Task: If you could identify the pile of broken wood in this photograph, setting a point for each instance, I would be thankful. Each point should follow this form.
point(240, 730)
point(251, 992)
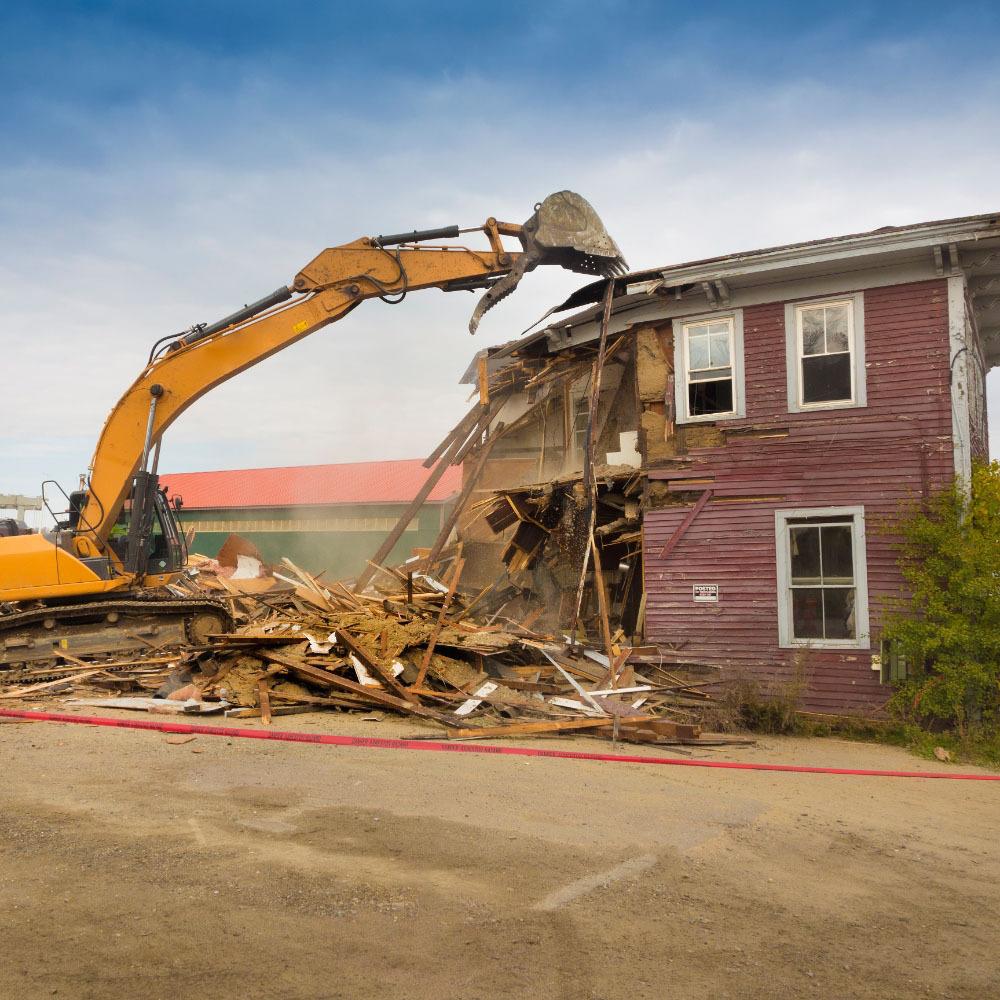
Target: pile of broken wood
point(409, 645)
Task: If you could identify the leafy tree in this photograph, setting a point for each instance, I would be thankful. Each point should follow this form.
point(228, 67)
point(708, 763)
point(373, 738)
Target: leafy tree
point(950, 629)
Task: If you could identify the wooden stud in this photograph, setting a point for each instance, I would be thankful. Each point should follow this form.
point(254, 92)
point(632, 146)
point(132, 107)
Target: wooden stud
point(265, 702)
point(483, 371)
point(602, 605)
point(432, 642)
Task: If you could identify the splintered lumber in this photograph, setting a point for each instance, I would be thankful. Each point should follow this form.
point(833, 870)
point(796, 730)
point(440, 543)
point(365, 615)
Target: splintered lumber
point(589, 483)
point(429, 652)
point(324, 677)
point(385, 673)
point(416, 503)
point(465, 424)
point(265, 702)
point(456, 511)
point(602, 604)
point(537, 728)
point(585, 695)
point(413, 648)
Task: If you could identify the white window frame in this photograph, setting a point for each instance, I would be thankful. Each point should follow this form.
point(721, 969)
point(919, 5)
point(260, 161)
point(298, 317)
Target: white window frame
point(681, 324)
point(856, 342)
point(862, 625)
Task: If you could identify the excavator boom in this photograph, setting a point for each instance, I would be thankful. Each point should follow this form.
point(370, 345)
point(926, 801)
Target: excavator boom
point(120, 535)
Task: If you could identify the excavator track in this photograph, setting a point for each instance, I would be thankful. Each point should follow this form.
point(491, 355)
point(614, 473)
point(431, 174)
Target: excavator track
point(35, 638)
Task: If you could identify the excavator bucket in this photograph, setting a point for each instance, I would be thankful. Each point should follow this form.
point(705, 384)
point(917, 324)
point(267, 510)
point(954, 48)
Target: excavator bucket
point(566, 231)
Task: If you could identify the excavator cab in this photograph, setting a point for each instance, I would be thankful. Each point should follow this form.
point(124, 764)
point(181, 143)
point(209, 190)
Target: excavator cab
point(146, 536)
point(166, 550)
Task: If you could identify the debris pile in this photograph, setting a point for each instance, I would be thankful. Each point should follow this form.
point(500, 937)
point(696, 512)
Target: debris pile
point(409, 645)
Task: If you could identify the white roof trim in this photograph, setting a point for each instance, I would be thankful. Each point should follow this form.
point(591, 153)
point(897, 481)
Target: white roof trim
point(756, 262)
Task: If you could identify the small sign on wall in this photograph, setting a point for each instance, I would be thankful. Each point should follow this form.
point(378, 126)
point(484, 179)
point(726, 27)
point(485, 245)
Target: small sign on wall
point(705, 593)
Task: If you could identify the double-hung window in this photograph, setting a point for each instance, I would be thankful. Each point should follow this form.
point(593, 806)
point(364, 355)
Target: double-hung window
point(825, 342)
point(708, 366)
point(822, 578)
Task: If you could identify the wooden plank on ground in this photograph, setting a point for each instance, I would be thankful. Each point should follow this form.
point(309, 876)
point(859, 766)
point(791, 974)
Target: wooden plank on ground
point(535, 728)
point(663, 728)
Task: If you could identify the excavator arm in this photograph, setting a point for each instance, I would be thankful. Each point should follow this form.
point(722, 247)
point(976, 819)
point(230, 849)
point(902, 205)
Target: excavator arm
point(327, 289)
point(564, 230)
point(89, 556)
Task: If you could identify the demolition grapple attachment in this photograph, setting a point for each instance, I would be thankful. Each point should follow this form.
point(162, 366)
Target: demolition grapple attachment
point(564, 230)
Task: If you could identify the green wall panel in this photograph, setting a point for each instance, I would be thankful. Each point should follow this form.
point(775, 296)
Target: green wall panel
point(340, 554)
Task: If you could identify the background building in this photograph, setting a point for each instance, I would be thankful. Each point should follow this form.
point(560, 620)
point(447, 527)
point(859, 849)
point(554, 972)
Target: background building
point(26, 511)
point(323, 517)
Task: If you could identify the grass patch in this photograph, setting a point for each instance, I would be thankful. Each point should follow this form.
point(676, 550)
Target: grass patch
point(981, 747)
point(777, 717)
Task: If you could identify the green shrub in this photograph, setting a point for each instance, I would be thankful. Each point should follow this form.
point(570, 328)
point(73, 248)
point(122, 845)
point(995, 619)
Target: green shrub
point(949, 631)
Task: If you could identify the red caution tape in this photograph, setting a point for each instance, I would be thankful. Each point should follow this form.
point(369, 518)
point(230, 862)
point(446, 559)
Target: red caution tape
point(377, 743)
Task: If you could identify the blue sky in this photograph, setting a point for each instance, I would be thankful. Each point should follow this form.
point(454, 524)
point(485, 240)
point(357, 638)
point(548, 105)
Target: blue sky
point(161, 164)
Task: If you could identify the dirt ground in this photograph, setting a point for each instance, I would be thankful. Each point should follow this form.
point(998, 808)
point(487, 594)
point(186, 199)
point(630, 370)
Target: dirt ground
point(130, 867)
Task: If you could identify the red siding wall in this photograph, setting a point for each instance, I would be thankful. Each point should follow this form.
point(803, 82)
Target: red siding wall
point(896, 448)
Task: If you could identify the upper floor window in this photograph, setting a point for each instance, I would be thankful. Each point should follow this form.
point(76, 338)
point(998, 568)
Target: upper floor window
point(825, 342)
point(708, 366)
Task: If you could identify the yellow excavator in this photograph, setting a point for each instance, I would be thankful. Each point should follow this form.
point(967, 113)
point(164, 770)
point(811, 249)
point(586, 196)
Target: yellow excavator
point(95, 584)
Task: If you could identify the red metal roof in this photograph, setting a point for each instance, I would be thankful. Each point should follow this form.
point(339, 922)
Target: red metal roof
point(311, 485)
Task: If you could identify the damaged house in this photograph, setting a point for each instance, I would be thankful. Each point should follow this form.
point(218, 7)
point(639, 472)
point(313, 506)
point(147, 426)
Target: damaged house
point(751, 425)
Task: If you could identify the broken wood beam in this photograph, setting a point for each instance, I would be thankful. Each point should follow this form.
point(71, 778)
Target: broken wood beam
point(661, 728)
point(589, 483)
point(483, 373)
point(432, 642)
point(602, 607)
point(324, 677)
point(456, 511)
point(674, 540)
point(385, 673)
point(465, 424)
point(411, 511)
point(265, 701)
point(535, 728)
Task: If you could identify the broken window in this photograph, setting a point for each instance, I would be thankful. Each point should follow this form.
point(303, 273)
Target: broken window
point(708, 358)
point(825, 337)
point(822, 578)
